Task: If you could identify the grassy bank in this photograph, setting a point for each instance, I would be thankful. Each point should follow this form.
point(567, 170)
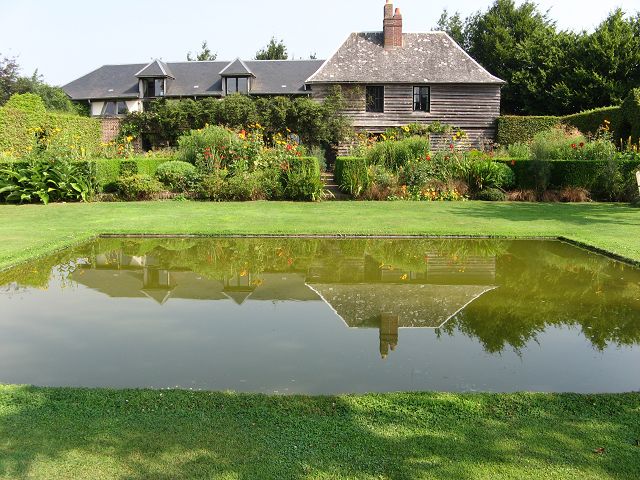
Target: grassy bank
point(67, 433)
point(35, 229)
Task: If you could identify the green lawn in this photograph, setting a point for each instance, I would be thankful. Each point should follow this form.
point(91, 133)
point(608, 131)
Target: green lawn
point(67, 433)
point(36, 229)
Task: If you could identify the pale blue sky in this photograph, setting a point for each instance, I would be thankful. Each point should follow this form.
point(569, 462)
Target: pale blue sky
point(65, 39)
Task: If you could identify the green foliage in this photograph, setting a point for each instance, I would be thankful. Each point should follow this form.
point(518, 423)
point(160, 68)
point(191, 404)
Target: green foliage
point(490, 194)
point(275, 50)
point(395, 154)
point(301, 179)
point(610, 180)
point(550, 72)
point(590, 121)
point(519, 150)
point(45, 181)
point(317, 123)
point(213, 186)
point(177, 176)
point(107, 171)
point(486, 174)
point(209, 147)
point(555, 144)
point(352, 175)
point(513, 129)
point(205, 54)
point(138, 187)
point(26, 127)
point(630, 125)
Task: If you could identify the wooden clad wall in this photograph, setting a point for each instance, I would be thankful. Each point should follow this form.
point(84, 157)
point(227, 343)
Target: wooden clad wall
point(474, 108)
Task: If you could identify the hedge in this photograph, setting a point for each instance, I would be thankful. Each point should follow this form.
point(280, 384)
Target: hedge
point(631, 116)
point(605, 180)
point(311, 164)
point(22, 114)
point(589, 121)
point(351, 174)
point(513, 128)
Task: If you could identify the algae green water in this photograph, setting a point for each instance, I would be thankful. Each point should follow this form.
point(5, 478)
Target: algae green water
point(284, 315)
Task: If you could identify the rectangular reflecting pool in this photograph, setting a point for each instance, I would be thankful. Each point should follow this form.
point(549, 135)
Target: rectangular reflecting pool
point(287, 315)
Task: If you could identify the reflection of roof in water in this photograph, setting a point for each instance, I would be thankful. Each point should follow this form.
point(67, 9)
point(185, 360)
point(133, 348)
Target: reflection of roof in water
point(428, 306)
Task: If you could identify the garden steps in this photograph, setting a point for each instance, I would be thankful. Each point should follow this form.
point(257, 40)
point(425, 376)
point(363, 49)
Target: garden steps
point(330, 184)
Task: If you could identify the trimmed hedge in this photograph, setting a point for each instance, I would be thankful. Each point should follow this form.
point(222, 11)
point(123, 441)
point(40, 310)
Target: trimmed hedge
point(22, 114)
point(513, 128)
point(631, 117)
point(589, 121)
point(351, 174)
point(606, 180)
point(109, 170)
point(310, 164)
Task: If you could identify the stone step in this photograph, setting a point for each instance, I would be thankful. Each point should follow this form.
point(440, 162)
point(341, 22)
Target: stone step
point(332, 186)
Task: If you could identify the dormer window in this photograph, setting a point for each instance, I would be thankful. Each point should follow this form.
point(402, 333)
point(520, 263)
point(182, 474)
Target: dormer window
point(153, 87)
point(237, 85)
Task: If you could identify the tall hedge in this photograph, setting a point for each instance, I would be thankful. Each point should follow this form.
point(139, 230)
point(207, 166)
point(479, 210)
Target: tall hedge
point(606, 180)
point(631, 117)
point(25, 113)
point(589, 121)
point(513, 128)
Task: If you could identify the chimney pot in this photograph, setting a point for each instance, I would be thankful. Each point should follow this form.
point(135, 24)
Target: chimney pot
point(392, 27)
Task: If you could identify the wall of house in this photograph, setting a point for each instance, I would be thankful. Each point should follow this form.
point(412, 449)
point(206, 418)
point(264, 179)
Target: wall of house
point(474, 108)
point(132, 105)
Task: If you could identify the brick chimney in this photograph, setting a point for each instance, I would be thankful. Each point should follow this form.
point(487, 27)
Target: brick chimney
point(392, 26)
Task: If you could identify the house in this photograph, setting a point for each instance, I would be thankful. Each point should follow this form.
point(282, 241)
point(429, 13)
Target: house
point(389, 78)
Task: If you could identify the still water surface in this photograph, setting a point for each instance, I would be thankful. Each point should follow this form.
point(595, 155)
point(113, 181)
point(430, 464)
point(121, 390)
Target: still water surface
point(323, 316)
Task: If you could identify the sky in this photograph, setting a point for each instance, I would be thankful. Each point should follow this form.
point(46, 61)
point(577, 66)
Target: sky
point(66, 39)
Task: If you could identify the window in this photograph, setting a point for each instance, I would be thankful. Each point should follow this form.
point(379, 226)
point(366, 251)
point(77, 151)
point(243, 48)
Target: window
point(375, 99)
point(153, 87)
point(110, 109)
point(237, 85)
point(421, 99)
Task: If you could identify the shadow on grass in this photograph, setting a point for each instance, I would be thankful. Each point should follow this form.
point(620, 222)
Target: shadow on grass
point(181, 434)
point(577, 214)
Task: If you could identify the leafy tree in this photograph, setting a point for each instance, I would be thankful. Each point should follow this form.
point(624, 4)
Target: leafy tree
point(9, 70)
point(453, 25)
point(205, 54)
point(275, 50)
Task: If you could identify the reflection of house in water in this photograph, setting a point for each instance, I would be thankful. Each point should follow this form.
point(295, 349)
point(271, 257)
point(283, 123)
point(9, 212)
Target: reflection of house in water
point(363, 292)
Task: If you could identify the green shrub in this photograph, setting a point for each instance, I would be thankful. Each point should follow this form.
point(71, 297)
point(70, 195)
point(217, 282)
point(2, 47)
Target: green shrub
point(513, 128)
point(555, 144)
point(213, 186)
point(107, 171)
point(242, 187)
point(177, 176)
point(138, 187)
point(394, 154)
point(612, 179)
point(46, 181)
point(486, 174)
point(303, 185)
point(128, 168)
point(352, 175)
point(383, 185)
point(491, 195)
point(630, 125)
point(209, 148)
point(417, 174)
point(519, 150)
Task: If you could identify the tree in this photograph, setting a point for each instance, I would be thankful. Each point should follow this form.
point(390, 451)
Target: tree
point(275, 50)
point(453, 25)
point(9, 70)
point(205, 54)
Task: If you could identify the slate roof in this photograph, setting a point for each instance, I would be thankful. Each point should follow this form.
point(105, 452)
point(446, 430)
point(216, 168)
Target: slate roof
point(156, 68)
point(272, 77)
point(432, 57)
point(237, 67)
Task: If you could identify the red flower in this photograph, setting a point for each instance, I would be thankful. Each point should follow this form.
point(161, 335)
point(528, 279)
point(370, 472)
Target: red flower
point(513, 162)
point(289, 147)
point(574, 146)
point(428, 157)
point(451, 146)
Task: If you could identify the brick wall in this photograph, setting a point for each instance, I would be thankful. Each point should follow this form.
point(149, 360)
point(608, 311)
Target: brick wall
point(110, 130)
